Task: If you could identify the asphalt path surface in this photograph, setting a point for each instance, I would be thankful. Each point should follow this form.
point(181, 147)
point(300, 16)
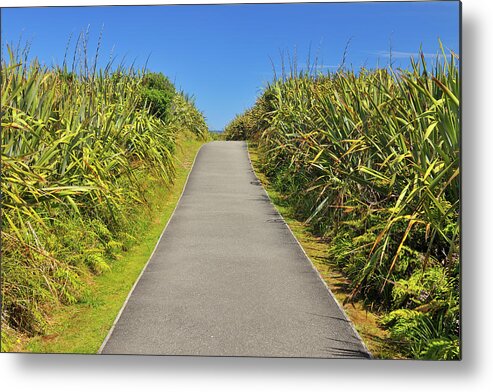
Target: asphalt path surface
point(228, 278)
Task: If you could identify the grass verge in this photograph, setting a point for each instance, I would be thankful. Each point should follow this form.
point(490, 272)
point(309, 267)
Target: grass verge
point(82, 327)
point(366, 322)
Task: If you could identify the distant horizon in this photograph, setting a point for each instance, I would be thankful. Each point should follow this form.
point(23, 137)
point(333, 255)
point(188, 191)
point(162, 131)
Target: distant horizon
point(222, 55)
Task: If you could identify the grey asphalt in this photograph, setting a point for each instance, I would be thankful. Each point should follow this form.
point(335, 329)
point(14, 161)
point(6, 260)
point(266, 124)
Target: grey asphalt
point(229, 279)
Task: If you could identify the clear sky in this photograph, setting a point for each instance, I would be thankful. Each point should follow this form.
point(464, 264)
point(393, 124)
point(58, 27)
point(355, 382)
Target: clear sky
point(221, 53)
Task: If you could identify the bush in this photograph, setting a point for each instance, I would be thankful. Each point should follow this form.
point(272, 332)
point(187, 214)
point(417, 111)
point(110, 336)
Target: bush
point(157, 94)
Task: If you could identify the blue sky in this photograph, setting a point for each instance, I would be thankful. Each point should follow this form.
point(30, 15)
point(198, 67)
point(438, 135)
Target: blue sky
point(221, 53)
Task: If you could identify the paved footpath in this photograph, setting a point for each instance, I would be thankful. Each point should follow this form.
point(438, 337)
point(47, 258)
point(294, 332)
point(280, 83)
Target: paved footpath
point(228, 277)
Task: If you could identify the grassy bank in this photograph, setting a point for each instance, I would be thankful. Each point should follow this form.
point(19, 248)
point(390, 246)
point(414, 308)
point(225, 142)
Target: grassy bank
point(82, 327)
point(369, 160)
point(84, 152)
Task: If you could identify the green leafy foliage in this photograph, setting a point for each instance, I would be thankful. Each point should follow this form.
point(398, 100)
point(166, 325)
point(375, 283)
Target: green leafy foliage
point(249, 124)
point(157, 93)
point(422, 336)
point(79, 154)
point(371, 161)
point(184, 116)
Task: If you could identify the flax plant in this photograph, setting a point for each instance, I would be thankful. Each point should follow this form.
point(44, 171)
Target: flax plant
point(79, 147)
point(371, 161)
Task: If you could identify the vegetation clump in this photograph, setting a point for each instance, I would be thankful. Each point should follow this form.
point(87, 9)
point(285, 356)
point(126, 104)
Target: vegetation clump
point(80, 152)
point(370, 161)
point(157, 92)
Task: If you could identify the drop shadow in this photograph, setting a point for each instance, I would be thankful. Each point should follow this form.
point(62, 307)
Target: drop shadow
point(471, 207)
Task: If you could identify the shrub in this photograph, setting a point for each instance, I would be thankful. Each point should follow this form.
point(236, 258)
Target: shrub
point(157, 92)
